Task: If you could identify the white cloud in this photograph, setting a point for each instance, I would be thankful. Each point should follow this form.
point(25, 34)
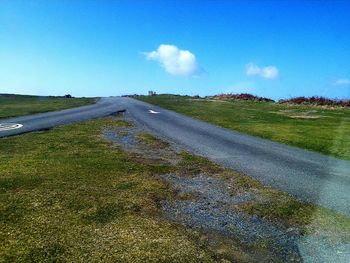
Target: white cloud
point(341, 82)
point(174, 60)
point(269, 72)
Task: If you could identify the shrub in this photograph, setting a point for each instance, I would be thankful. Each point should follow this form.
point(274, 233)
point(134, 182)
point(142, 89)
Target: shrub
point(242, 96)
point(316, 101)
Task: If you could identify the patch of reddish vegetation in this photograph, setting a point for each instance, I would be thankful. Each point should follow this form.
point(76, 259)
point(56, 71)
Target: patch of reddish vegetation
point(316, 101)
point(242, 96)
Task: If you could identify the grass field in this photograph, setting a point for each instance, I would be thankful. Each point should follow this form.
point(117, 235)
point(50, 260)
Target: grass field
point(19, 105)
point(320, 129)
point(69, 195)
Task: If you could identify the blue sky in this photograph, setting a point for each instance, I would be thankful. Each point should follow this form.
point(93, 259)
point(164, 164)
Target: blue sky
point(276, 48)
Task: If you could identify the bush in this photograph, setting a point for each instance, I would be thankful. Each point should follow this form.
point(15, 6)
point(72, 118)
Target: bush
point(316, 101)
point(242, 96)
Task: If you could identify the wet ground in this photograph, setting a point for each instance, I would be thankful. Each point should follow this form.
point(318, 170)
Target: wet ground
point(210, 207)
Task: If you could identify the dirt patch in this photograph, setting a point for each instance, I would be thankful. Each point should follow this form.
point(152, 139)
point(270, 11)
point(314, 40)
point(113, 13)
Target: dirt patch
point(297, 114)
point(213, 100)
point(304, 117)
point(132, 140)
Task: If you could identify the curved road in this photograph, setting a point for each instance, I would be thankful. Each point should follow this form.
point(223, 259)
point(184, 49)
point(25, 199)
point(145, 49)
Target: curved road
point(307, 175)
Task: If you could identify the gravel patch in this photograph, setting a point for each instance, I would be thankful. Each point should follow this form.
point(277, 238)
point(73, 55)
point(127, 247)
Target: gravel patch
point(213, 210)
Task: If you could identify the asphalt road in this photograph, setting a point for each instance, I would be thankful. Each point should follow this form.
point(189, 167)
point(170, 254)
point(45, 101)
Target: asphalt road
point(43, 121)
point(307, 175)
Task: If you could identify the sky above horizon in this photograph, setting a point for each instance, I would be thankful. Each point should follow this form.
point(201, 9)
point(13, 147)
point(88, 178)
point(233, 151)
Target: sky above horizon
point(276, 49)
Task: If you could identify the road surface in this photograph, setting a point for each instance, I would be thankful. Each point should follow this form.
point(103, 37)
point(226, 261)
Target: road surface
point(43, 121)
point(310, 176)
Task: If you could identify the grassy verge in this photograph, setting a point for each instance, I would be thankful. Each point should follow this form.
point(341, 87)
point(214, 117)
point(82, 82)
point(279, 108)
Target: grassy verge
point(68, 195)
point(321, 129)
point(19, 105)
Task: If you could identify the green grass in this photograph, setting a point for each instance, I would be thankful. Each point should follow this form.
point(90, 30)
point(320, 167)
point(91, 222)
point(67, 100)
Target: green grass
point(67, 195)
point(151, 141)
point(320, 129)
point(284, 209)
point(192, 165)
point(19, 105)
